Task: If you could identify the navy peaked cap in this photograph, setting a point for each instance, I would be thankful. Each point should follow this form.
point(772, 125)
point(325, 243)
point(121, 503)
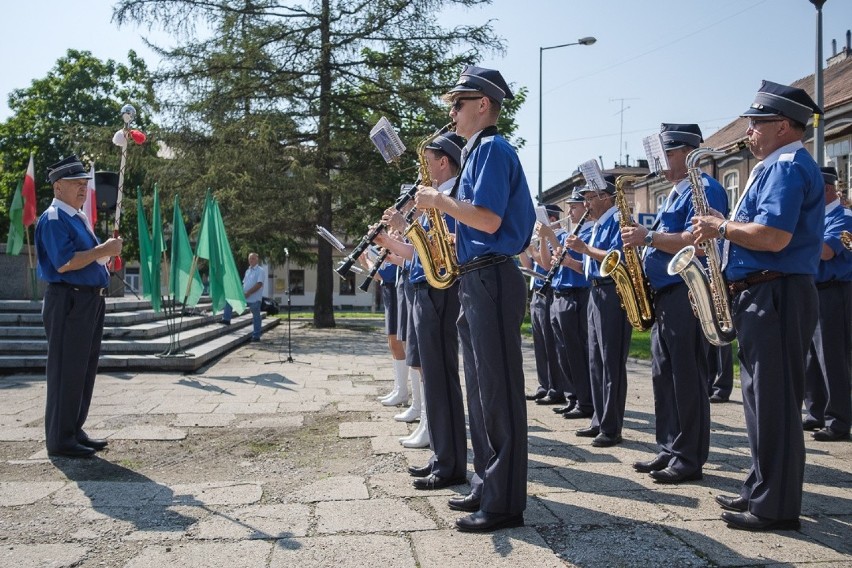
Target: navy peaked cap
point(450, 144)
point(553, 209)
point(829, 175)
point(773, 99)
point(69, 168)
point(610, 186)
point(576, 197)
point(678, 135)
point(489, 82)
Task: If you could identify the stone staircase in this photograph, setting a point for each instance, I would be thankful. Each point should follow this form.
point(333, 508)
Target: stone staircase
point(134, 336)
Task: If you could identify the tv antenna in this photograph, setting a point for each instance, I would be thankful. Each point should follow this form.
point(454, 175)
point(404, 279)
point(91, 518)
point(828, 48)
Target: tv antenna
point(621, 128)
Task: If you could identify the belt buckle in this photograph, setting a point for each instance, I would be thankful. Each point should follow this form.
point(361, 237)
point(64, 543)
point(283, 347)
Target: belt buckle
point(102, 292)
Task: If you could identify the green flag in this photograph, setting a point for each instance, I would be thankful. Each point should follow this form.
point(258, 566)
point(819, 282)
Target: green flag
point(144, 247)
point(15, 240)
point(208, 248)
point(181, 264)
point(157, 249)
point(232, 283)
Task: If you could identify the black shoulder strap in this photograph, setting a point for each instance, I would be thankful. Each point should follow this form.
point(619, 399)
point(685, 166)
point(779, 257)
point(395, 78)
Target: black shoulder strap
point(487, 131)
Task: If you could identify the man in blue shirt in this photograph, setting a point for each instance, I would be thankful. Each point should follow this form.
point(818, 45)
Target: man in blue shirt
point(73, 262)
point(494, 213)
point(829, 367)
point(253, 289)
point(679, 364)
point(774, 235)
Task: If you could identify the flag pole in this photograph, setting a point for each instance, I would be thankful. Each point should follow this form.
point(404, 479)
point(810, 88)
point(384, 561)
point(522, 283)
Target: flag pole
point(33, 285)
point(194, 266)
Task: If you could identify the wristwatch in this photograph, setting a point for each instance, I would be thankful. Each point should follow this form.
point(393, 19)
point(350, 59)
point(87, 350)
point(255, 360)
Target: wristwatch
point(649, 238)
point(723, 229)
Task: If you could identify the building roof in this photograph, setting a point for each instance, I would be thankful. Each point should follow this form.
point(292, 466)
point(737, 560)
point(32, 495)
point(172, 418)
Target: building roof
point(565, 187)
point(837, 92)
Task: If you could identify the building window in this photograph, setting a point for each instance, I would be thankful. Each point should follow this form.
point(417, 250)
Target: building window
point(347, 285)
point(296, 278)
point(731, 181)
point(131, 281)
point(661, 200)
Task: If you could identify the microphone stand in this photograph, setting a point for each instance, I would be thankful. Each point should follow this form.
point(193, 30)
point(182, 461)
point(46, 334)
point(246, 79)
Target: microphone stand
point(289, 358)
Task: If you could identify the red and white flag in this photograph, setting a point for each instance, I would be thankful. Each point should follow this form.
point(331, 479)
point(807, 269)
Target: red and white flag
point(90, 207)
point(29, 194)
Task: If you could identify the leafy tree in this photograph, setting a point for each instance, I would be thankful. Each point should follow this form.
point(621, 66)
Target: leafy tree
point(273, 104)
point(74, 109)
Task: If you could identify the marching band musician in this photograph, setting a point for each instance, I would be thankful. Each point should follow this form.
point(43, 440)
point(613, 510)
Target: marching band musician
point(609, 329)
point(494, 214)
point(434, 321)
point(544, 342)
point(569, 318)
point(679, 367)
point(775, 237)
point(829, 367)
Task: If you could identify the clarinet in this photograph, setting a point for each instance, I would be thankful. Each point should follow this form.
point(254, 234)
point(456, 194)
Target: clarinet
point(554, 268)
point(367, 240)
point(365, 285)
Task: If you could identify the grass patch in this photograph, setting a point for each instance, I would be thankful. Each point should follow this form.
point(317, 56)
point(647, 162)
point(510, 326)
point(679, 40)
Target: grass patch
point(259, 447)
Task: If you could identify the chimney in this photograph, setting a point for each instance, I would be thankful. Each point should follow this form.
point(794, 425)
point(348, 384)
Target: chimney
point(844, 54)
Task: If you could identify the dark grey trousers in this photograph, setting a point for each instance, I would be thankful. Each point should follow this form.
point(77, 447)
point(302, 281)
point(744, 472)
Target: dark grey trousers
point(609, 343)
point(569, 317)
point(544, 344)
point(493, 301)
point(679, 378)
point(775, 323)
point(73, 323)
point(435, 315)
point(720, 378)
point(829, 367)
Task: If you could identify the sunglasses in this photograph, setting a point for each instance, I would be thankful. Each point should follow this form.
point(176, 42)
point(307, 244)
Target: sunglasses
point(754, 123)
point(457, 104)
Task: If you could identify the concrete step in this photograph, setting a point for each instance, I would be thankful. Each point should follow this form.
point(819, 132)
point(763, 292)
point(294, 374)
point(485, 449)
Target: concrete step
point(144, 330)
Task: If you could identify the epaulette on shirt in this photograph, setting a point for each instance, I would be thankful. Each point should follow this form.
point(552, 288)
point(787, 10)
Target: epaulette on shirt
point(787, 157)
point(52, 213)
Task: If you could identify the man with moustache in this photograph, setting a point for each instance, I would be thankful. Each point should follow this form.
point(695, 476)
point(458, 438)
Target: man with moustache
point(774, 237)
point(72, 261)
point(495, 217)
point(679, 369)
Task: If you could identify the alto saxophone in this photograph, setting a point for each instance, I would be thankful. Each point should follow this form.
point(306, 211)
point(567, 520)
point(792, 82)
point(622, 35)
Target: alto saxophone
point(708, 293)
point(846, 239)
point(435, 248)
point(630, 281)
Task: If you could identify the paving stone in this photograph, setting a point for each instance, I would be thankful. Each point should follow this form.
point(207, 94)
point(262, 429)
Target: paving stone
point(149, 432)
point(307, 406)
point(337, 488)
point(213, 493)
point(247, 407)
point(388, 445)
point(368, 429)
point(371, 516)
point(255, 522)
point(248, 554)
point(290, 421)
point(41, 555)
point(15, 493)
point(213, 420)
point(22, 434)
point(580, 508)
point(112, 494)
point(509, 547)
point(401, 485)
point(176, 407)
point(343, 552)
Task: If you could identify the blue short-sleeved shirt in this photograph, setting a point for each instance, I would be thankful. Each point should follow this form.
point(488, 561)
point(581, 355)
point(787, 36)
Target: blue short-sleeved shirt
point(606, 235)
point(789, 194)
point(838, 267)
point(493, 178)
point(60, 233)
point(388, 273)
point(568, 277)
point(538, 282)
point(417, 274)
point(676, 217)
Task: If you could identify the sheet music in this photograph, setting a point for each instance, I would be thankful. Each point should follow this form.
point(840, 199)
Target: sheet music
point(386, 140)
point(655, 153)
point(330, 238)
point(541, 215)
point(591, 171)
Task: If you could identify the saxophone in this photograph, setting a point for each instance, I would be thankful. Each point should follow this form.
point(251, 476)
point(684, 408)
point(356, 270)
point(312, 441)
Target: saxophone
point(435, 248)
point(708, 293)
point(630, 281)
point(846, 239)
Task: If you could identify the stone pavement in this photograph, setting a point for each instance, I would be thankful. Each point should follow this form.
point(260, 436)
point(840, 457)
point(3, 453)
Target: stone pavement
point(198, 474)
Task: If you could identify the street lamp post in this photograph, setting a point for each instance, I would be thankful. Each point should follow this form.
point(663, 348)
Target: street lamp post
point(819, 125)
point(541, 50)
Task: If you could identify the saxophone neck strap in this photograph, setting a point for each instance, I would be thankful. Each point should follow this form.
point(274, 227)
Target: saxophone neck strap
point(487, 131)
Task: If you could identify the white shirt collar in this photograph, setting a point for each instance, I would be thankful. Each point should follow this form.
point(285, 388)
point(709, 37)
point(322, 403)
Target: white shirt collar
point(59, 204)
point(470, 142)
point(681, 186)
point(447, 186)
point(832, 206)
point(790, 148)
point(605, 217)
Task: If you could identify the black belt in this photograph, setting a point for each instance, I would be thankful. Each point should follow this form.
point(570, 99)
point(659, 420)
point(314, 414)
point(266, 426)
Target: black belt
point(80, 288)
point(565, 292)
point(601, 281)
point(668, 288)
point(482, 262)
point(738, 286)
point(831, 284)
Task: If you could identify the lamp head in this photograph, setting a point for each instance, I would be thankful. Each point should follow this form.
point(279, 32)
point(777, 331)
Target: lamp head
point(586, 40)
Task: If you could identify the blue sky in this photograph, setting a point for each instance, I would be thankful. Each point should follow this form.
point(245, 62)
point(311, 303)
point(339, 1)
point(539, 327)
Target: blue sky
point(670, 60)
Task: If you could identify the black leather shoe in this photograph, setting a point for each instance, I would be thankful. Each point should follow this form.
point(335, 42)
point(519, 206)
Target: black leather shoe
point(76, 451)
point(468, 503)
point(415, 471)
point(738, 504)
point(545, 400)
point(829, 435)
point(563, 409)
point(481, 521)
point(96, 444)
point(717, 398)
point(589, 432)
point(575, 413)
point(668, 475)
point(536, 396)
point(433, 481)
point(811, 424)
point(749, 522)
point(223, 322)
point(605, 440)
point(656, 464)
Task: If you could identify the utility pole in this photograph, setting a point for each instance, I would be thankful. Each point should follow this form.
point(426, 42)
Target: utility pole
point(621, 128)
